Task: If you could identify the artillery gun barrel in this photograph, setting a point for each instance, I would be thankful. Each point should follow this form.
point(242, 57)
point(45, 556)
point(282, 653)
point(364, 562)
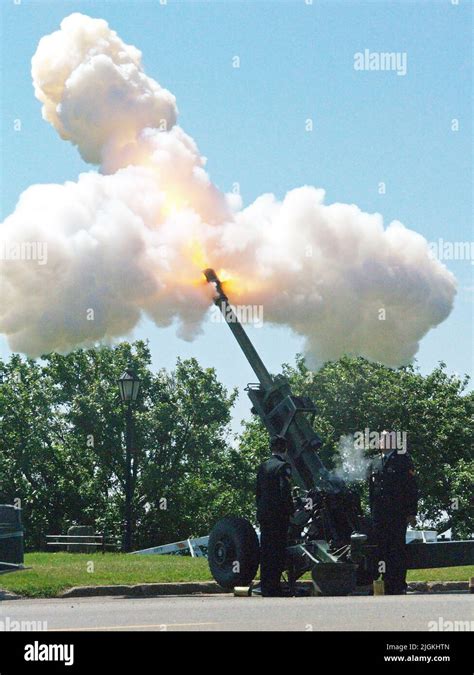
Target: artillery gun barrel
point(280, 410)
point(222, 301)
point(326, 524)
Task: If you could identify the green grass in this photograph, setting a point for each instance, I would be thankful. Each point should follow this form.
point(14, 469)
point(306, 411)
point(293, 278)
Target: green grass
point(53, 573)
point(442, 574)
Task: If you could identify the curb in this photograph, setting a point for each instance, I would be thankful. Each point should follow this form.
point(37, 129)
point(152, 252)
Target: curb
point(9, 595)
point(211, 588)
point(146, 590)
point(438, 586)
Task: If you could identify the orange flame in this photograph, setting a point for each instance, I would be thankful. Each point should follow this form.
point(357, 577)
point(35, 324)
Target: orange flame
point(234, 284)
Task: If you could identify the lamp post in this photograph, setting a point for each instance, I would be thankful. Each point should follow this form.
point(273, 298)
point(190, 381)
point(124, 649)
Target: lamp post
point(129, 385)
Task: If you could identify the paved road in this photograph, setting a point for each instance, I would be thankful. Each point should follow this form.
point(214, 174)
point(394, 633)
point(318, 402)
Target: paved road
point(223, 612)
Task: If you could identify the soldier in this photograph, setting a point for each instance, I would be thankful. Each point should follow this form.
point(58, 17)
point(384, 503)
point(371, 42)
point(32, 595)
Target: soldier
point(393, 499)
point(274, 507)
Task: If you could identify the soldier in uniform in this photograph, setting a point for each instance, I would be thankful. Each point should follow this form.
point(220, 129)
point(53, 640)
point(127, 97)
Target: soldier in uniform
point(393, 499)
point(274, 507)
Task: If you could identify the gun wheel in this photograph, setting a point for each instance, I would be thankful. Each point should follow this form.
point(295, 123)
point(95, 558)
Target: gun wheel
point(233, 552)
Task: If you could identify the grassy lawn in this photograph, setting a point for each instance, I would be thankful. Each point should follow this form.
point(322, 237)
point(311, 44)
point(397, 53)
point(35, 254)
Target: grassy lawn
point(53, 573)
point(442, 574)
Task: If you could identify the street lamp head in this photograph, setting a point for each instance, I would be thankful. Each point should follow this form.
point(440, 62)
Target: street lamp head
point(129, 384)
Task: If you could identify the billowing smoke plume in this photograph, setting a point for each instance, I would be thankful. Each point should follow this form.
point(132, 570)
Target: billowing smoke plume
point(131, 241)
point(352, 461)
point(93, 89)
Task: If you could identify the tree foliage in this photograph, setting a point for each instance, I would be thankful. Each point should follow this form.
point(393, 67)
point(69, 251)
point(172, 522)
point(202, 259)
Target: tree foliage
point(435, 411)
point(61, 444)
point(62, 447)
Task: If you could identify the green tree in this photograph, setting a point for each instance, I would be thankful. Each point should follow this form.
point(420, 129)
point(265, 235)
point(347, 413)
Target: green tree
point(62, 424)
point(61, 446)
point(436, 412)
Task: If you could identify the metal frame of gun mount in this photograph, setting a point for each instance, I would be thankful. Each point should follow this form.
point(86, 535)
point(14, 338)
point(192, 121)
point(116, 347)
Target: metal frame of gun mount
point(328, 535)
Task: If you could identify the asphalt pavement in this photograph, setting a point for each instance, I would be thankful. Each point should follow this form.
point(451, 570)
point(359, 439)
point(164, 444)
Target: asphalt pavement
point(225, 612)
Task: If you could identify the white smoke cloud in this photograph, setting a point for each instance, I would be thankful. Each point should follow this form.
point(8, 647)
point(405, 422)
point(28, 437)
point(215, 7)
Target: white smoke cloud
point(352, 462)
point(93, 89)
point(131, 241)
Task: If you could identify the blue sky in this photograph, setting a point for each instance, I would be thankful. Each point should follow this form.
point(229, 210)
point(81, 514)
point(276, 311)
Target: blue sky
point(296, 62)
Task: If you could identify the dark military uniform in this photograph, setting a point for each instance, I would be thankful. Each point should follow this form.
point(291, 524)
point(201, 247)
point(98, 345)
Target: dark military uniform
point(393, 497)
point(274, 507)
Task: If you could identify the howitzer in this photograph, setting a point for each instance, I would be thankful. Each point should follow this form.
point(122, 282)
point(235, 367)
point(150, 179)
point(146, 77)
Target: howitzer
point(328, 535)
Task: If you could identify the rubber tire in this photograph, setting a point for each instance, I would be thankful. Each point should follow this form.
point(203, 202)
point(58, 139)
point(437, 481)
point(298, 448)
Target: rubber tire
point(240, 543)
